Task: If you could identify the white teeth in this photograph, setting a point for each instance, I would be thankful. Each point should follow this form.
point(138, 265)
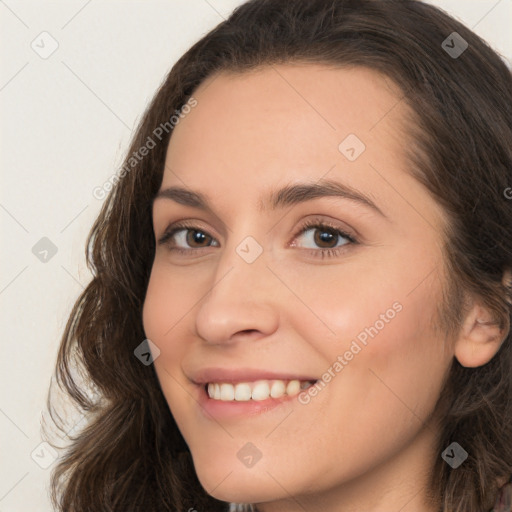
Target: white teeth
point(227, 392)
point(278, 389)
point(293, 387)
point(259, 390)
point(242, 392)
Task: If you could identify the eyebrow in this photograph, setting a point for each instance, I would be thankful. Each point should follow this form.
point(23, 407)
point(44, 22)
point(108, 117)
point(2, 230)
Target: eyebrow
point(286, 196)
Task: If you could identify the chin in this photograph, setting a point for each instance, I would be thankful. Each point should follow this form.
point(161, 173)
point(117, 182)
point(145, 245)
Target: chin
point(236, 483)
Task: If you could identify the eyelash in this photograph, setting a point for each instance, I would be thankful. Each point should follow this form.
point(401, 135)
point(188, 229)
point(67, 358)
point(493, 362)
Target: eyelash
point(313, 223)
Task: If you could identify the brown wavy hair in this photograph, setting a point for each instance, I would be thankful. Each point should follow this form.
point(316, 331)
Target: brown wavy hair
point(130, 456)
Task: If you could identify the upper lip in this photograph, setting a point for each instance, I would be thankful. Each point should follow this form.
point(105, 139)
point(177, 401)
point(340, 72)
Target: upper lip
point(207, 375)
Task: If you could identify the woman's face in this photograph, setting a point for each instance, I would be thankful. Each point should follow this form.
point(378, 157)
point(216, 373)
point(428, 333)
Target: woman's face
point(250, 292)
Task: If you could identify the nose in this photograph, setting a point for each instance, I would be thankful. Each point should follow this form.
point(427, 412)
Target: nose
point(242, 301)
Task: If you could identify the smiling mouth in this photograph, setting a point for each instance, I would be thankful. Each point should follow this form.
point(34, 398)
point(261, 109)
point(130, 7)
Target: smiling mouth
point(258, 390)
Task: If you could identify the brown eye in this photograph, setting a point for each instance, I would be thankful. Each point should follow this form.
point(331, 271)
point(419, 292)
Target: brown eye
point(195, 236)
point(325, 236)
point(182, 238)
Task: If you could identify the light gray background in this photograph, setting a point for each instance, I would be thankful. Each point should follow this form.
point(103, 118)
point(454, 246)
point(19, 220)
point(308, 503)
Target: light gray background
point(66, 121)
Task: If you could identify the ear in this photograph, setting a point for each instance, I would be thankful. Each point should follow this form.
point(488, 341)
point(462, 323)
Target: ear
point(480, 337)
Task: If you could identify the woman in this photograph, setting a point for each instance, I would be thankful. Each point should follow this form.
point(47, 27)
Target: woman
point(267, 367)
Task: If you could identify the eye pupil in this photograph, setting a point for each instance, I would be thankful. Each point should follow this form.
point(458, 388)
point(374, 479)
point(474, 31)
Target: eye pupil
point(325, 236)
point(195, 236)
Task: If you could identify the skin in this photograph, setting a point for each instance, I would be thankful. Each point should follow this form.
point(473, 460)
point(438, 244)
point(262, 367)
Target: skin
point(365, 442)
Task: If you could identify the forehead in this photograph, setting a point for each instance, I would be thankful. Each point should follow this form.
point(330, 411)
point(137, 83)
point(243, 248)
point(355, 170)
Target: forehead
point(330, 101)
point(280, 124)
point(290, 111)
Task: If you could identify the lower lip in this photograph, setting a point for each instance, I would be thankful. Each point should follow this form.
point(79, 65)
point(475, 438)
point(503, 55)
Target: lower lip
point(233, 408)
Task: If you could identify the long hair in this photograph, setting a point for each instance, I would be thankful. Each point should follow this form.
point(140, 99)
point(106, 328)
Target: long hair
point(130, 455)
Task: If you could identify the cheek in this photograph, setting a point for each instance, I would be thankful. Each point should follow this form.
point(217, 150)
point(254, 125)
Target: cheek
point(165, 304)
point(163, 308)
point(379, 322)
point(393, 364)
point(164, 317)
point(153, 308)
